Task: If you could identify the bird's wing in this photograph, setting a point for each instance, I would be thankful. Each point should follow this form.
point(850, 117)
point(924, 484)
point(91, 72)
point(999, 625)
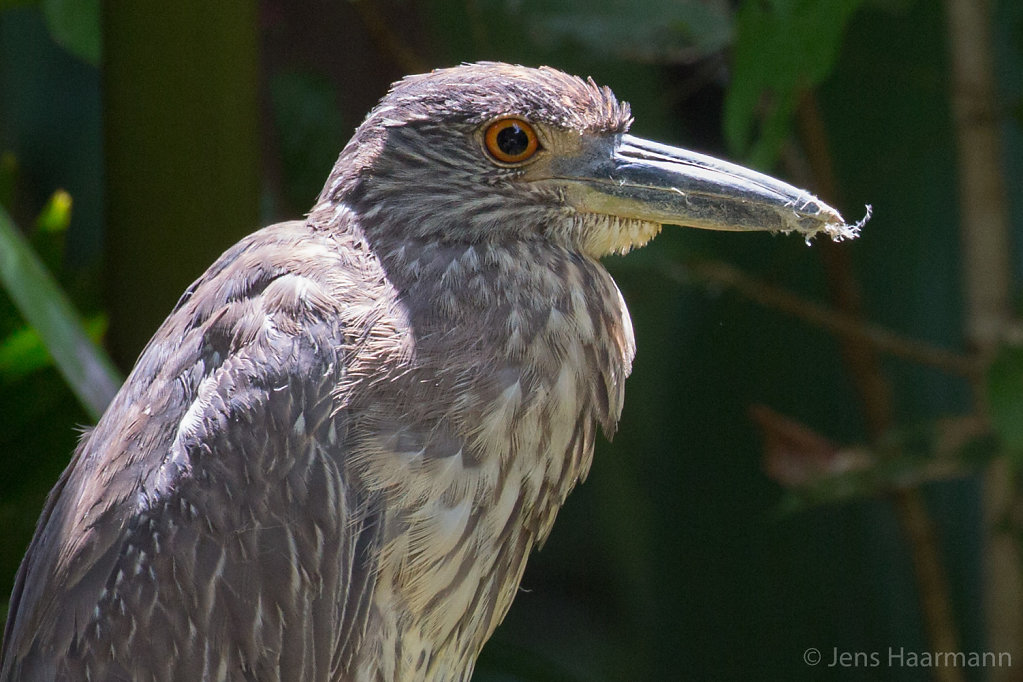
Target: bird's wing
point(206, 528)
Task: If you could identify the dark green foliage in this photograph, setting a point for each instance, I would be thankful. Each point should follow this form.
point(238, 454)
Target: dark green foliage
point(75, 26)
point(782, 49)
point(1005, 398)
point(310, 132)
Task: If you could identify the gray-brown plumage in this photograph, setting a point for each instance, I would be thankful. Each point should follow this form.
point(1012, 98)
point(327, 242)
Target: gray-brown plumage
point(334, 457)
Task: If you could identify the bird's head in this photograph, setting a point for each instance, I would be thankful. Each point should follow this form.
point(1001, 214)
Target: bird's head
point(496, 152)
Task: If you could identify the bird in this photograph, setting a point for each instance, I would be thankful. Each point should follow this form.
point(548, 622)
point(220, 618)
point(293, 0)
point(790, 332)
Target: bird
point(334, 457)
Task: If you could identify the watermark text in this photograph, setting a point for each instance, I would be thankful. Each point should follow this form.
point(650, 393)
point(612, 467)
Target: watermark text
point(901, 657)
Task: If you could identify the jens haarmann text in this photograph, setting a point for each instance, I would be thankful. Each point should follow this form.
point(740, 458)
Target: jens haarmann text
point(900, 657)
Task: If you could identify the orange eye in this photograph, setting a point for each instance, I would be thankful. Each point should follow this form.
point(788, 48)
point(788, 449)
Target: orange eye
point(511, 140)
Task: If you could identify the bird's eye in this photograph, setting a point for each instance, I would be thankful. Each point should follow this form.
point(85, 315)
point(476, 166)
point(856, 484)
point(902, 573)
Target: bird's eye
point(511, 140)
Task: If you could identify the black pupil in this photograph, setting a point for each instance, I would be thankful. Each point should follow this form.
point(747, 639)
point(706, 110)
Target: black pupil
point(513, 140)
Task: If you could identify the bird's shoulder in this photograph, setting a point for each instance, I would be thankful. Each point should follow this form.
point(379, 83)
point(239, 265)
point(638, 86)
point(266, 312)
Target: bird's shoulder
point(284, 308)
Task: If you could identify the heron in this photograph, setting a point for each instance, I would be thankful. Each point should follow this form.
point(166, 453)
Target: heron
point(332, 460)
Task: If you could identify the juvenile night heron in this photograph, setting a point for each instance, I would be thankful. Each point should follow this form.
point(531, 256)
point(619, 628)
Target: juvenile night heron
point(334, 457)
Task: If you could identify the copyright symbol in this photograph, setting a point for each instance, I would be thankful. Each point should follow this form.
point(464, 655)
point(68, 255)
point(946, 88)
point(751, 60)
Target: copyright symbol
point(812, 656)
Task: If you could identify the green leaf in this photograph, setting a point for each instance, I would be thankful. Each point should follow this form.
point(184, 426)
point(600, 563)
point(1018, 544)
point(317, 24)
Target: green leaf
point(75, 26)
point(782, 48)
point(23, 351)
point(87, 369)
point(660, 31)
point(1005, 399)
point(56, 214)
point(11, 4)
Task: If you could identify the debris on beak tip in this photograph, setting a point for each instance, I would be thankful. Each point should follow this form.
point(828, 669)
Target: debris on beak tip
point(835, 226)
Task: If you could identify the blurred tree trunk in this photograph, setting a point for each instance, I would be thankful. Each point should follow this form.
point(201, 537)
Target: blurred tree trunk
point(181, 148)
point(987, 240)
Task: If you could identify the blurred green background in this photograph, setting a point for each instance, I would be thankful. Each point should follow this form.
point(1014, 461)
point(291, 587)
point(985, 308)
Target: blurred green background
point(702, 546)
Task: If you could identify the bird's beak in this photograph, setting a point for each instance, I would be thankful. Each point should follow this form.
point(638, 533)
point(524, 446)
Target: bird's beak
point(656, 183)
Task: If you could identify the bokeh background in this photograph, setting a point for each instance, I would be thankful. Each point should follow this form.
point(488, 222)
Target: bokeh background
point(820, 443)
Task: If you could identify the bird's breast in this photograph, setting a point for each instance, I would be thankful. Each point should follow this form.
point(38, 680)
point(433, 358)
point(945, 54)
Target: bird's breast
point(491, 425)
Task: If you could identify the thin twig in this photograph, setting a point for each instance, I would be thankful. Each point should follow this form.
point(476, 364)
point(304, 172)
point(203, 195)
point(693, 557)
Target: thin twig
point(931, 581)
point(884, 340)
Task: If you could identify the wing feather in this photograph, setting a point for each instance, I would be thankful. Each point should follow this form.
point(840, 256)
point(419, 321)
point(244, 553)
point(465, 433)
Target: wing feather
point(207, 529)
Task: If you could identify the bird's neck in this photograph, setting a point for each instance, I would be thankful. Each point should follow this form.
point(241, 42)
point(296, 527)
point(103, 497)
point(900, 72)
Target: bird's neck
point(503, 357)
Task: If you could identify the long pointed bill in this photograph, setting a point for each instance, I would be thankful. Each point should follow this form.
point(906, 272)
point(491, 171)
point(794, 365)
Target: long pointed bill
point(657, 183)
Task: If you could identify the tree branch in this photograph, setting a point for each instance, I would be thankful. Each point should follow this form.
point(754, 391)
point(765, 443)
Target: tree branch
point(838, 323)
